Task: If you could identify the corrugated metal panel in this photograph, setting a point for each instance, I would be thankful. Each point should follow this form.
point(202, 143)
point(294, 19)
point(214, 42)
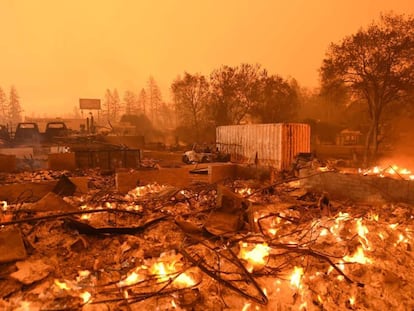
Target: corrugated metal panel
point(275, 144)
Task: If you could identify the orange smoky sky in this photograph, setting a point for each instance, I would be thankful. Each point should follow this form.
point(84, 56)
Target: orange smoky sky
point(55, 52)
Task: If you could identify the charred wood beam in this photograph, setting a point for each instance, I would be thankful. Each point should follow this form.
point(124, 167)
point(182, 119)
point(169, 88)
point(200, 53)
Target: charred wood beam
point(62, 215)
point(85, 228)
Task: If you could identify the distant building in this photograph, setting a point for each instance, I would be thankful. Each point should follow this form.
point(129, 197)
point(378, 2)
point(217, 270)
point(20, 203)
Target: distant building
point(348, 137)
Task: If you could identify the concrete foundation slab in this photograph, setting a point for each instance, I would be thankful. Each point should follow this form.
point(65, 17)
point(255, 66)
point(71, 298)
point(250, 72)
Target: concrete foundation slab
point(177, 177)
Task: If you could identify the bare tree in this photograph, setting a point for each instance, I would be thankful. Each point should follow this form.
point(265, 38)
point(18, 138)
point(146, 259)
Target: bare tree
point(4, 108)
point(154, 99)
point(116, 105)
point(107, 104)
point(190, 95)
point(15, 110)
point(112, 105)
point(130, 103)
point(142, 101)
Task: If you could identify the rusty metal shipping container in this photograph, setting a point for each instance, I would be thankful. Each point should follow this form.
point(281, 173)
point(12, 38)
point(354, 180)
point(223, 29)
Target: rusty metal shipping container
point(274, 144)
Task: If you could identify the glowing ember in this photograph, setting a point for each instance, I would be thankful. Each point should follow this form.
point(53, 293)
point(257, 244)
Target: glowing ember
point(358, 257)
point(167, 268)
point(362, 231)
point(351, 300)
point(320, 300)
point(323, 168)
point(244, 191)
point(296, 277)
point(162, 271)
point(272, 231)
point(62, 285)
point(255, 256)
point(86, 296)
point(324, 232)
point(246, 306)
point(401, 239)
point(393, 226)
point(144, 190)
point(185, 280)
point(86, 216)
point(303, 306)
point(391, 170)
point(26, 306)
point(109, 205)
point(4, 205)
point(132, 278)
point(341, 217)
point(135, 208)
point(373, 217)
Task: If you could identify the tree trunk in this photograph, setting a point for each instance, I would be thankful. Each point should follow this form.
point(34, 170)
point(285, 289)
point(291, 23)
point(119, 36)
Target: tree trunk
point(375, 139)
point(368, 140)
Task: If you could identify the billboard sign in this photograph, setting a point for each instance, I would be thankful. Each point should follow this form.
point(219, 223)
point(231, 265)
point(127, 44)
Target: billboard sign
point(89, 103)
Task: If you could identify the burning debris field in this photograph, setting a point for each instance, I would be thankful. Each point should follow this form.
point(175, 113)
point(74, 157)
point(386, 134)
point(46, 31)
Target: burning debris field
point(241, 244)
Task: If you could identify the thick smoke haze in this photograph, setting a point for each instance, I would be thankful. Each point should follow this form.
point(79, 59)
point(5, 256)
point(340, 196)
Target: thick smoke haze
point(55, 52)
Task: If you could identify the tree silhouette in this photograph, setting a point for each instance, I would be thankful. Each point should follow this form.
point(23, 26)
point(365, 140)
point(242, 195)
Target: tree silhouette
point(234, 92)
point(377, 65)
point(112, 105)
point(130, 103)
point(15, 110)
point(142, 101)
point(190, 95)
point(154, 99)
point(4, 108)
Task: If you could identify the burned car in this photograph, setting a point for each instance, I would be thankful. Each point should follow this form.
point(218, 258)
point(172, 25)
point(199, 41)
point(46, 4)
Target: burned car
point(204, 154)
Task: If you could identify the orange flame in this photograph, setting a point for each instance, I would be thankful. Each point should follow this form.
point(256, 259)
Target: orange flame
point(391, 170)
point(296, 277)
point(167, 267)
point(86, 297)
point(132, 278)
point(358, 257)
point(246, 306)
point(255, 256)
point(62, 285)
point(4, 205)
point(244, 191)
point(362, 231)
